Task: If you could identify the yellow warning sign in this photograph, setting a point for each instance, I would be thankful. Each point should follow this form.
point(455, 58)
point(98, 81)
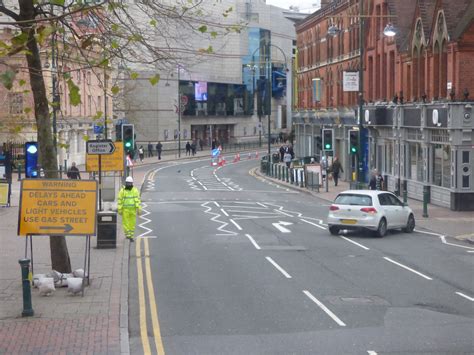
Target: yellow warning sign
point(109, 162)
point(57, 207)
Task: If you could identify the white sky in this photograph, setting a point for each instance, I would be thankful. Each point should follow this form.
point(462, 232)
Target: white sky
point(304, 5)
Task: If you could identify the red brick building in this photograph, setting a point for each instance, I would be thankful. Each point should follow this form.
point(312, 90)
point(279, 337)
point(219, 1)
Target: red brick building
point(418, 87)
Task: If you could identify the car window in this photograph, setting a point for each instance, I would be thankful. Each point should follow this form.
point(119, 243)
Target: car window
point(353, 199)
point(394, 200)
point(384, 200)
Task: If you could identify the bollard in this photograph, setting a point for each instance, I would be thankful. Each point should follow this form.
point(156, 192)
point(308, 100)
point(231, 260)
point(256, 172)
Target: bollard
point(405, 191)
point(426, 196)
point(25, 271)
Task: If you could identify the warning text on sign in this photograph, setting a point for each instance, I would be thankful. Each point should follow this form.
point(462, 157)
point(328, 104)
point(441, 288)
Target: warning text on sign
point(58, 207)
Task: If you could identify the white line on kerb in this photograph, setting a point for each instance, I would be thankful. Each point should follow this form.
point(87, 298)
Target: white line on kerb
point(443, 239)
point(236, 225)
point(253, 241)
point(465, 296)
point(351, 241)
point(324, 308)
point(407, 268)
point(278, 267)
point(313, 224)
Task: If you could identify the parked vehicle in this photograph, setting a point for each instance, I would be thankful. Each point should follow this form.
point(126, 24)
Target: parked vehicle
point(377, 211)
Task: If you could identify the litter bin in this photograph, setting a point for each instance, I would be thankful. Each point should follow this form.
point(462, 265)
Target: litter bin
point(106, 230)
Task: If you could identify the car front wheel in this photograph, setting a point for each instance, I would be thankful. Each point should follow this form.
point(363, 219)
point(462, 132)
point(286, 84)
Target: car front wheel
point(334, 230)
point(382, 228)
point(410, 224)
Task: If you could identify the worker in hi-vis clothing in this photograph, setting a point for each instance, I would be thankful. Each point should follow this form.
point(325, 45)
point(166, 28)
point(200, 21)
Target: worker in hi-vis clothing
point(128, 207)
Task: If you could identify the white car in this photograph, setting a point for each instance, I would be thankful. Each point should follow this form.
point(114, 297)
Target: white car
point(377, 211)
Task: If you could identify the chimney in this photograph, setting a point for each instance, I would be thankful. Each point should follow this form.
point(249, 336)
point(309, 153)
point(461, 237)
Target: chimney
point(325, 3)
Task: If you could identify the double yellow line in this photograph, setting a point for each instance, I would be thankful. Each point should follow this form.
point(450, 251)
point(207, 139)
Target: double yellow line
point(151, 299)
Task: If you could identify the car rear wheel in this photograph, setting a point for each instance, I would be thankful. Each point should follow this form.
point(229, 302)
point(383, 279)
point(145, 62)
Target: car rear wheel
point(410, 224)
point(382, 228)
point(334, 230)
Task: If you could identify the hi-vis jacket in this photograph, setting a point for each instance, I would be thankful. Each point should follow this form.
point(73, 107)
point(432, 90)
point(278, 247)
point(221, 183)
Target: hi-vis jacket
point(128, 199)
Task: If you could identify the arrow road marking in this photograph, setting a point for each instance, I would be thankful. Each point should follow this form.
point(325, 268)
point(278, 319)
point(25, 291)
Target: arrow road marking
point(66, 228)
point(280, 227)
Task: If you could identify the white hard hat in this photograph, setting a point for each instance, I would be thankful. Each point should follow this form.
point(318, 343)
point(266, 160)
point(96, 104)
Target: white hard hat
point(129, 179)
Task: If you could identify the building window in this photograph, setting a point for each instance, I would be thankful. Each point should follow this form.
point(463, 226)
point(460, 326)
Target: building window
point(441, 165)
point(415, 162)
point(15, 103)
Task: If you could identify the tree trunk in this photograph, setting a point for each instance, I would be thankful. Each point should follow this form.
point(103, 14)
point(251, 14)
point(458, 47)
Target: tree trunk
point(47, 151)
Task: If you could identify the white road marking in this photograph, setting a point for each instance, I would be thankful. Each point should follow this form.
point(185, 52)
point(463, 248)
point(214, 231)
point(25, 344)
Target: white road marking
point(253, 241)
point(313, 224)
point(465, 296)
point(284, 213)
point(247, 211)
point(443, 239)
point(324, 308)
point(280, 226)
point(425, 232)
point(148, 237)
point(371, 352)
point(351, 241)
point(407, 268)
point(261, 204)
point(278, 267)
point(224, 212)
point(217, 204)
point(236, 225)
point(470, 251)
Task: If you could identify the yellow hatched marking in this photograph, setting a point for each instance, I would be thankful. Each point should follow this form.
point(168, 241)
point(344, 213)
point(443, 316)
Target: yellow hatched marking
point(141, 300)
point(151, 296)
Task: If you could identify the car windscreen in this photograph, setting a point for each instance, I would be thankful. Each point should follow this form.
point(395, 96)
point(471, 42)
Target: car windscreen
point(353, 199)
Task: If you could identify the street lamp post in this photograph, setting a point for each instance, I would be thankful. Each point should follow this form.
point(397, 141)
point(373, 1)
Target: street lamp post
point(179, 116)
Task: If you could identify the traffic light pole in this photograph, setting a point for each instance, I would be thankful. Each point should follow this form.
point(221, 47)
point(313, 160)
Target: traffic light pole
point(360, 153)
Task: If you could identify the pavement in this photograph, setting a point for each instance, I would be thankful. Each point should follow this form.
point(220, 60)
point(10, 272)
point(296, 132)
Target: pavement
point(98, 322)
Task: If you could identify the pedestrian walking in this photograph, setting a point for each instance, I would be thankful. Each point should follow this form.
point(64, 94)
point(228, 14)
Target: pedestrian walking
point(159, 146)
point(73, 172)
point(141, 153)
point(150, 149)
point(128, 207)
point(376, 181)
point(188, 148)
point(336, 168)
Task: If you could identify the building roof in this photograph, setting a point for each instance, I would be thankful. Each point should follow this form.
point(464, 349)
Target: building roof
point(458, 14)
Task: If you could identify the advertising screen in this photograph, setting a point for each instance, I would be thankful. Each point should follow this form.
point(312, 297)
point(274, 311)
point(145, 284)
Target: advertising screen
point(200, 91)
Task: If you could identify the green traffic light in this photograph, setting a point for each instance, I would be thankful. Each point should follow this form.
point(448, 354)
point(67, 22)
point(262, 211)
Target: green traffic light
point(128, 144)
point(327, 146)
point(353, 149)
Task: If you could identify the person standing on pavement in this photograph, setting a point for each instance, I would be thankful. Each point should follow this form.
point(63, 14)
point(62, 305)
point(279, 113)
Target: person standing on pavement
point(200, 143)
point(287, 159)
point(141, 153)
point(188, 148)
point(150, 149)
point(376, 181)
point(193, 148)
point(336, 168)
point(159, 147)
point(73, 172)
point(128, 207)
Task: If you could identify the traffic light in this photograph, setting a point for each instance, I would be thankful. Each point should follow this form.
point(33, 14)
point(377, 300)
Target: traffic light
point(328, 134)
point(128, 137)
point(31, 159)
point(353, 141)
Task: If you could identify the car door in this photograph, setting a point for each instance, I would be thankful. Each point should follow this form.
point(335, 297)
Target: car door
point(398, 210)
point(389, 210)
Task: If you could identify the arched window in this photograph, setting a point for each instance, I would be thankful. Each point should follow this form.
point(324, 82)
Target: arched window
point(443, 71)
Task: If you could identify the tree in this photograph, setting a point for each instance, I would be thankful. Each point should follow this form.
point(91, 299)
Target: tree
point(98, 35)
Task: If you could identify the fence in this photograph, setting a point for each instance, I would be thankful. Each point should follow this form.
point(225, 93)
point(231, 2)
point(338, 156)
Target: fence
point(295, 176)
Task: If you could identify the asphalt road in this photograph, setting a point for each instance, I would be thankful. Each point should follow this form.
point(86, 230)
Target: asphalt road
point(229, 263)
